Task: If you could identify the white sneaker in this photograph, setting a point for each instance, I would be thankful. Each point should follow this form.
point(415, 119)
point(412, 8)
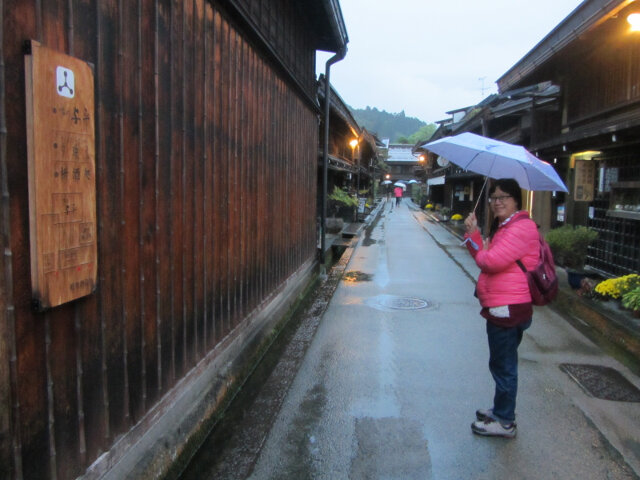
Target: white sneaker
point(491, 428)
point(482, 414)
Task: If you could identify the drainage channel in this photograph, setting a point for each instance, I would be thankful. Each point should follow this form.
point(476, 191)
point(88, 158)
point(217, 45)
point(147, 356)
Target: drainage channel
point(602, 382)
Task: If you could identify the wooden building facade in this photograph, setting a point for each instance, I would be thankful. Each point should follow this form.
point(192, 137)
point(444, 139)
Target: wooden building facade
point(574, 100)
point(591, 132)
point(346, 162)
point(206, 135)
point(352, 157)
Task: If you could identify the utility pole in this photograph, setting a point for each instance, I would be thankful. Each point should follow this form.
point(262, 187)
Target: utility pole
point(482, 89)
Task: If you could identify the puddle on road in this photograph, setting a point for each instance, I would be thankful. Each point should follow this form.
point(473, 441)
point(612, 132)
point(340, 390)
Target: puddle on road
point(368, 239)
point(355, 276)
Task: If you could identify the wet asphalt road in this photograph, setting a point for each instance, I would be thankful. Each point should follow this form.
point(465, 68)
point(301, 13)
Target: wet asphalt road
point(390, 381)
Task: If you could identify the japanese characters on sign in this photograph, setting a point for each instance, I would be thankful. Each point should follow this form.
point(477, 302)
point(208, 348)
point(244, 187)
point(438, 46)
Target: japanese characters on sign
point(62, 192)
point(585, 174)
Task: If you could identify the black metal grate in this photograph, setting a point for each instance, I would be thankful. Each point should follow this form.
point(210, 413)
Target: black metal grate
point(616, 251)
point(602, 382)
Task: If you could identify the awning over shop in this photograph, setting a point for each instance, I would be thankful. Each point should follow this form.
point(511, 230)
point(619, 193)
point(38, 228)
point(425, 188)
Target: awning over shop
point(340, 165)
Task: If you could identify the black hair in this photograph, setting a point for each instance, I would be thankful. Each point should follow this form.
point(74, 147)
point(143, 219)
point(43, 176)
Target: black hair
point(510, 187)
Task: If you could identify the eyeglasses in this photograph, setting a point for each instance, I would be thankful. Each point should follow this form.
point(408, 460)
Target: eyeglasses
point(499, 199)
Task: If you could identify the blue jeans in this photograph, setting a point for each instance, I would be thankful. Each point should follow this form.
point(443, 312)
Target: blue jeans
point(503, 364)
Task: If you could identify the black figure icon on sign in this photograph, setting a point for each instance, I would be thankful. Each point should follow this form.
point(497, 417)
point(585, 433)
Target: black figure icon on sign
point(65, 82)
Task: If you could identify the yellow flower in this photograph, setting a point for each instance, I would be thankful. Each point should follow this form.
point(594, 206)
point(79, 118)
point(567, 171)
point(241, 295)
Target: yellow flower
point(607, 288)
point(617, 287)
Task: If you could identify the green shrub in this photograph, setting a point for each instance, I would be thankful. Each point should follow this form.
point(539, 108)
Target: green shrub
point(340, 196)
point(569, 245)
point(631, 299)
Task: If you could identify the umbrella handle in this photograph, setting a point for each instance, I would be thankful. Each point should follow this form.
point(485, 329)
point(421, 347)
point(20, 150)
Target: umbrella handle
point(480, 194)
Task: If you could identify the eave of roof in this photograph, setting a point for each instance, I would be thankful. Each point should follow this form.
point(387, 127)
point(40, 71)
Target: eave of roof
point(337, 104)
point(587, 15)
point(326, 17)
point(401, 153)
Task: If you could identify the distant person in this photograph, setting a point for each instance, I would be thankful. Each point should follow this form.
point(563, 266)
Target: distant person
point(398, 194)
point(503, 292)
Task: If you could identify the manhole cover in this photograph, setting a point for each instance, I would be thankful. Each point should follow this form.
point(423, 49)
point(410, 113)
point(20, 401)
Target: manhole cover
point(602, 382)
point(395, 302)
point(403, 303)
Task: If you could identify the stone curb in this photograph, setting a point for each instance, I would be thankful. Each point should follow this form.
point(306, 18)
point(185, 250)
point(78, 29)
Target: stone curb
point(615, 328)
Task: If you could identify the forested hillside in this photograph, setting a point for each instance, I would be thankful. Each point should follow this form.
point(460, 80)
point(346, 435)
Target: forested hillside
point(397, 127)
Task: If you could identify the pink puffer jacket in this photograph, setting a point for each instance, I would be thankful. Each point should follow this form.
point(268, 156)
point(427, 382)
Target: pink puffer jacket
point(502, 281)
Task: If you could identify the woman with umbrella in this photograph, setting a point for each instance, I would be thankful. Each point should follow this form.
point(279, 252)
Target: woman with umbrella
point(503, 292)
point(398, 192)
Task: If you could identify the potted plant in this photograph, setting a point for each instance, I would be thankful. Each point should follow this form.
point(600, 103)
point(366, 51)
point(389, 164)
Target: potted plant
point(569, 245)
point(444, 213)
point(342, 208)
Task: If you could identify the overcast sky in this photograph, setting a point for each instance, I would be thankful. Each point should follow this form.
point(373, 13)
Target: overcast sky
point(428, 57)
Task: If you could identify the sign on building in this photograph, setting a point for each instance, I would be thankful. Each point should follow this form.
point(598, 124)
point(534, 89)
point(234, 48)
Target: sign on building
point(585, 175)
point(62, 184)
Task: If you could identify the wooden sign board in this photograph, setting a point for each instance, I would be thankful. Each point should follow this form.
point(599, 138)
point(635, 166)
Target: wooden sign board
point(62, 183)
point(585, 175)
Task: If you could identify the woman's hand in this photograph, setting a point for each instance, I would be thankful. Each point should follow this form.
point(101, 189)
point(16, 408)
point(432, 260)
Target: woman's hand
point(471, 223)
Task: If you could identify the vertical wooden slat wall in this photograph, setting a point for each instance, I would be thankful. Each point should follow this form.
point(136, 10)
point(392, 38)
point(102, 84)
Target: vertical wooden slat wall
point(615, 83)
point(205, 169)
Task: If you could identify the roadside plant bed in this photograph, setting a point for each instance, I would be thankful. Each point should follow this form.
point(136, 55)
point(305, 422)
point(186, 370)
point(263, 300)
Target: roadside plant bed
point(601, 319)
point(623, 291)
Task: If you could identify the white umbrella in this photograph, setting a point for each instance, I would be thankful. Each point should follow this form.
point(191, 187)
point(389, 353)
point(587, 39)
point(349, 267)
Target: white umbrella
point(497, 159)
point(400, 184)
point(386, 182)
point(413, 181)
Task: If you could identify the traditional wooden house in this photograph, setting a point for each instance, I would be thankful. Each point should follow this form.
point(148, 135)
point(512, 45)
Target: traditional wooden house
point(574, 100)
point(590, 131)
point(351, 156)
point(403, 164)
point(352, 149)
point(503, 116)
point(158, 170)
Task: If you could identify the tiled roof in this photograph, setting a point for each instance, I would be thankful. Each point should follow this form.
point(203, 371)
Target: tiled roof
point(401, 153)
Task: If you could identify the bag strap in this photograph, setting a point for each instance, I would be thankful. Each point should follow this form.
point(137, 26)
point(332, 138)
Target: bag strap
point(539, 235)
